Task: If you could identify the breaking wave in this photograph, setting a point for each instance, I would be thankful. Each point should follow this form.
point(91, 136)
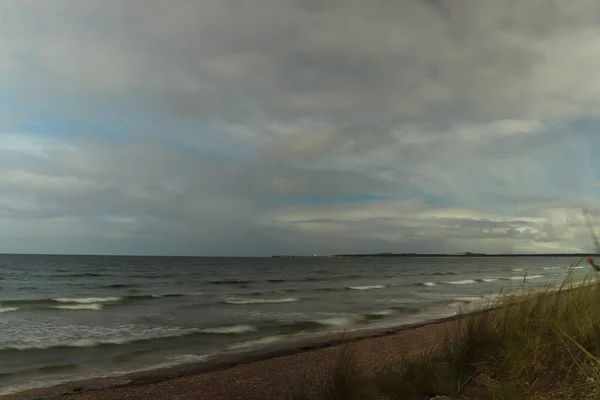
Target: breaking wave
point(102, 337)
point(88, 300)
point(514, 278)
point(461, 282)
point(371, 287)
point(261, 301)
point(230, 330)
point(80, 307)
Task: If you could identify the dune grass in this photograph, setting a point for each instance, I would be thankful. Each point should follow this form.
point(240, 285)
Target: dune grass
point(543, 344)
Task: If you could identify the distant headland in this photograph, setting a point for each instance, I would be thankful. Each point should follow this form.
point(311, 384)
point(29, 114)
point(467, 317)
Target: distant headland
point(462, 254)
point(465, 254)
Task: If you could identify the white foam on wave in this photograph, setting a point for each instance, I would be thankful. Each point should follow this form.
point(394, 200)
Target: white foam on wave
point(87, 300)
point(461, 282)
point(469, 299)
point(171, 362)
point(230, 330)
point(114, 377)
point(189, 358)
point(258, 342)
point(85, 336)
point(34, 384)
point(371, 287)
point(461, 301)
point(262, 301)
point(429, 284)
point(487, 280)
point(80, 307)
point(8, 309)
point(472, 301)
point(514, 278)
point(382, 313)
point(551, 268)
point(457, 304)
point(340, 321)
point(579, 267)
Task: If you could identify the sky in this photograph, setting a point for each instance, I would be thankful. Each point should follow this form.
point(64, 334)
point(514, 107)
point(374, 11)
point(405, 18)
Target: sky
point(251, 128)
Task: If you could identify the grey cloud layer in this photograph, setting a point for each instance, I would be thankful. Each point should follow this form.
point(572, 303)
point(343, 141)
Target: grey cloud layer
point(410, 99)
point(348, 62)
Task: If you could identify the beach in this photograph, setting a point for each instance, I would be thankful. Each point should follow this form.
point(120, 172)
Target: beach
point(271, 375)
point(277, 371)
point(78, 321)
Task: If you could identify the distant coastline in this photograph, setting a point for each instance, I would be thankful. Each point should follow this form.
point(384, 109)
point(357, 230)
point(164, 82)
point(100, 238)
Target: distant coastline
point(463, 254)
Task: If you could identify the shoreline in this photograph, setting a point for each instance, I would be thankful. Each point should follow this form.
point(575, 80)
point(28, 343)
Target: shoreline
point(230, 360)
point(226, 361)
point(98, 387)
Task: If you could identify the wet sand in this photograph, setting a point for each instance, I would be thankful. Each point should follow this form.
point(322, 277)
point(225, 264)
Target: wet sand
point(256, 375)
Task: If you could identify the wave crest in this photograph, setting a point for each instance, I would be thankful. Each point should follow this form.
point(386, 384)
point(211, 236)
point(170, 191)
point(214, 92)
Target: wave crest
point(368, 287)
point(230, 330)
point(92, 306)
point(520, 278)
point(261, 301)
point(104, 337)
point(88, 300)
point(461, 282)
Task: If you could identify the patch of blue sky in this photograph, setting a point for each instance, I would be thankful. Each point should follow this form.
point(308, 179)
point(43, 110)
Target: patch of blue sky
point(576, 161)
point(436, 201)
point(6, 97)
point(48, 117)
point(581, 132)
point(564, 156)
point(29, 63)
point(121, 121)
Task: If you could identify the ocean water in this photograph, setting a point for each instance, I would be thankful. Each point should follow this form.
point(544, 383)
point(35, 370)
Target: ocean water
point(66, 318)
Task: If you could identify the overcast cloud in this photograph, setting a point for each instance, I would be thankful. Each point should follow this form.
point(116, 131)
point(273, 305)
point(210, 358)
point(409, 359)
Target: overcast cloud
point(230, 127)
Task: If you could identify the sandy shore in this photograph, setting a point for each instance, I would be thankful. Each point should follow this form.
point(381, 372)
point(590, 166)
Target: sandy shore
point(261, 375)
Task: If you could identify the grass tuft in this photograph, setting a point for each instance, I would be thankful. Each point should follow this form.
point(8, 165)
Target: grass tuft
point(346, 381)
point(542, 344)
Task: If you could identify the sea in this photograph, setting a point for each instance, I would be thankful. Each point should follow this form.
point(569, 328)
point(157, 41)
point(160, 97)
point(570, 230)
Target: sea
point(68, 318)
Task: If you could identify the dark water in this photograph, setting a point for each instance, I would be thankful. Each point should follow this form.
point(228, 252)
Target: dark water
point(72, 317)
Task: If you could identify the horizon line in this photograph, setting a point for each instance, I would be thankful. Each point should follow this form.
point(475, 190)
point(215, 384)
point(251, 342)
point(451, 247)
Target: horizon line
point(379, 254)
